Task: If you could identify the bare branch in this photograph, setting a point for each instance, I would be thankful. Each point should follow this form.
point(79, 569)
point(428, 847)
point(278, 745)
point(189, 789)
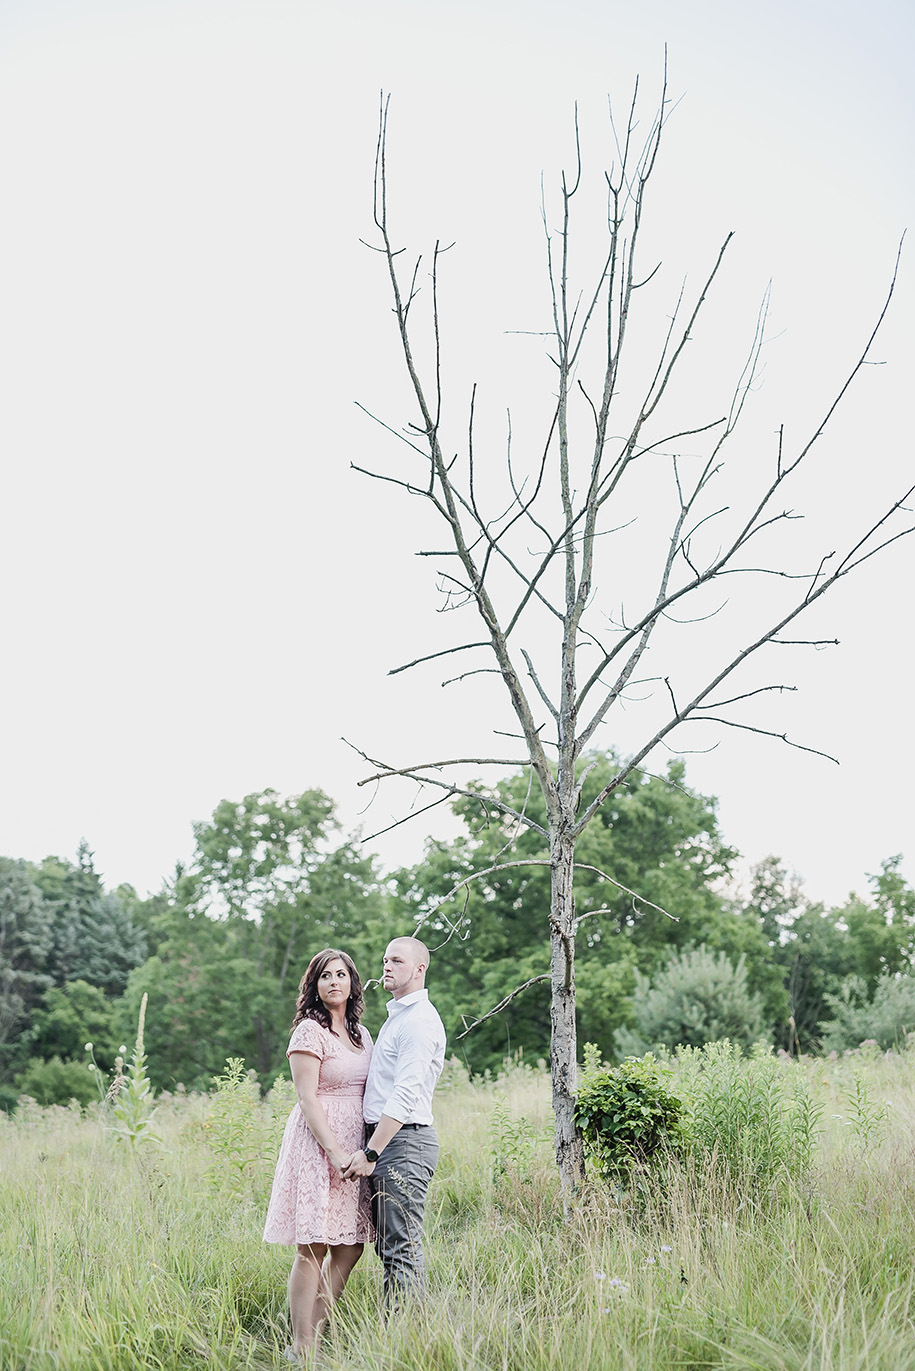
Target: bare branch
point(387, 772)
point(534, 980)
point(590, 914)
point(849, 562)
point(478, 671)
point(698, 618)
point(402, 437)
point(414, 813)
point(540, 690)
point(767, 732)
point(747, 695)
point(545, 861)
point(806, 642)
point(445, 652)
point(393, 480)
point(500, 732)
point(585, 866)
point(862, 361)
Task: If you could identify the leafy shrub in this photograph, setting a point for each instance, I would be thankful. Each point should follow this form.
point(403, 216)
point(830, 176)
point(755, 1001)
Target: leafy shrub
point(697, 998)
point(235, 1129)
point(57, 1082)
point(754, 1113)
point(626, 1114)
point(279, 1100)
point(866, 1117)
point(885, 1019)
point(515, 1143)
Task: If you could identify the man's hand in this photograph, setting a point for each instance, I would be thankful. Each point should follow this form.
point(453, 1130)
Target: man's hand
point(357, 1166)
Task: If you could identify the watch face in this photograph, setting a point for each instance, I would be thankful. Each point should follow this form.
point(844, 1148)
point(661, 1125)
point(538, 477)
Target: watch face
point(371, 1155)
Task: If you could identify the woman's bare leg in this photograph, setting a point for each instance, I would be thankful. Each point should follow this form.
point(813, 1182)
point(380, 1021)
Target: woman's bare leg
point(341, 1258)
point(307, 1304)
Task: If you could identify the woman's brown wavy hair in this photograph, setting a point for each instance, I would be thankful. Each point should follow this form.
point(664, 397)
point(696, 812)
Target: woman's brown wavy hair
point(309, 1005)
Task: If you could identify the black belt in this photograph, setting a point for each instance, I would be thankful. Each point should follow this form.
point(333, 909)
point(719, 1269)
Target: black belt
point(370, 1127)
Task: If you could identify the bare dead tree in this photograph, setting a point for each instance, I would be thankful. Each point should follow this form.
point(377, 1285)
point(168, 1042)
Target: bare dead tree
point(525, 556)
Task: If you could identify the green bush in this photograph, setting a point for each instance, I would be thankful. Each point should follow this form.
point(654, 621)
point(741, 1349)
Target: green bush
point(72, 1015)
point(886, 1019)
point(627, 1116)
point(236, 1130)
point(754, 1113)
point(57, 1082)
point(8, 1097)
point(697, 998)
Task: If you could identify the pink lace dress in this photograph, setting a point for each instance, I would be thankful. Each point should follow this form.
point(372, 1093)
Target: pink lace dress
point(310, 1201)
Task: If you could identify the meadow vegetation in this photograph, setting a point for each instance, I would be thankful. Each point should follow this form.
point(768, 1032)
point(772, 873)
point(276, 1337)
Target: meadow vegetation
point(781, 1237)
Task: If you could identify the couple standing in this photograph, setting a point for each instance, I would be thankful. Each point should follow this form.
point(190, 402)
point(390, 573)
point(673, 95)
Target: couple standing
point(359, 1148)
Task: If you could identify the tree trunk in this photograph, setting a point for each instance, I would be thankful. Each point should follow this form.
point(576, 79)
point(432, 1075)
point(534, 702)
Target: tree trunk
point(563, 1066)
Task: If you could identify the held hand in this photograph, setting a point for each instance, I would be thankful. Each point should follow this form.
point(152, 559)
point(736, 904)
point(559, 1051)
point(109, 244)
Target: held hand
point(358, 1166)
point(340, 1161)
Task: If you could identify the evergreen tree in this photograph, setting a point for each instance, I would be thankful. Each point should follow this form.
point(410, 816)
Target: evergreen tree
point(696, 998)
point(26, 940)
point(94, 937)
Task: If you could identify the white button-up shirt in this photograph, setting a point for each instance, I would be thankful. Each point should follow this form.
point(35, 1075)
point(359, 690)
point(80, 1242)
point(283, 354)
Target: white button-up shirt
point(406, 1063)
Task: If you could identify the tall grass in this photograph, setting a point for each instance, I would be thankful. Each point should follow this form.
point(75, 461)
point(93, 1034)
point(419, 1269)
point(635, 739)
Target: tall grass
point(118, 1258)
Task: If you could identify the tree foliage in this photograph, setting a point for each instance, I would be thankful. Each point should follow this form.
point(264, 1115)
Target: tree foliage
point(658, 837)
point(72, 1015)
point(270, 882)
point(26, 940)
point(697, 998)
point(887, 1017)
point(234, 930)
point(95, 938)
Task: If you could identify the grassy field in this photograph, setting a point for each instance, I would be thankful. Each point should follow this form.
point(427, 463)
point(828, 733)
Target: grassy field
point(153, 1259)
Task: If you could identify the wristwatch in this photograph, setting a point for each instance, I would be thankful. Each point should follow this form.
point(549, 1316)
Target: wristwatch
point(370, 1154)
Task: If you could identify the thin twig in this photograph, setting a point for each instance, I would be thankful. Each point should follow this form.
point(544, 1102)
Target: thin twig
point(534, 980)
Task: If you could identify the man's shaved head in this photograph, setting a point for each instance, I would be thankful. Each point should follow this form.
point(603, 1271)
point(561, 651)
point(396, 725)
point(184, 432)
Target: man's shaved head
point(405, 963)
point(418, 951)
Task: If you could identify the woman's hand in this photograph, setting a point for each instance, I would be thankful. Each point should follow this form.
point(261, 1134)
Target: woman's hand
point(358, 1165)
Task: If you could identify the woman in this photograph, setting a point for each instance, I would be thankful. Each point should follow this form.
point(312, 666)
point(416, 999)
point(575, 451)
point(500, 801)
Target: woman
point(312, 1207)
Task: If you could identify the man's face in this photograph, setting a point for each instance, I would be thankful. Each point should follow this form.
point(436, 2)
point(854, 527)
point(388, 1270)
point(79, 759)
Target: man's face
point(400, 971)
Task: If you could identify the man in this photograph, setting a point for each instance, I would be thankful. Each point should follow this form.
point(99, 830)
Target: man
point(402, 1149)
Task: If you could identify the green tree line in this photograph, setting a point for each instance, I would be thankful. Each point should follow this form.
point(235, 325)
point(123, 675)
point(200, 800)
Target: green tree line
point(670, 949)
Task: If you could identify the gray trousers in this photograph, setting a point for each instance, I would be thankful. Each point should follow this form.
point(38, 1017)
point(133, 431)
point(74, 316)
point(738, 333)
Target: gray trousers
point(398, 1186)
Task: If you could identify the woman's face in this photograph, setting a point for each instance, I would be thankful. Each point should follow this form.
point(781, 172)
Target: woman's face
point(334, 984)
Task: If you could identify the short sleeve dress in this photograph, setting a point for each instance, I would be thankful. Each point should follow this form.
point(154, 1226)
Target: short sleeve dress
point(310, 1202)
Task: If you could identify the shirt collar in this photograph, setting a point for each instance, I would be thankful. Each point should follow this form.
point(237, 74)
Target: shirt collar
point(414, 997)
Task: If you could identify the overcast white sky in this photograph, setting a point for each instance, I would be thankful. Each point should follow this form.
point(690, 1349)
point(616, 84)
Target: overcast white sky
point(199, 597)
